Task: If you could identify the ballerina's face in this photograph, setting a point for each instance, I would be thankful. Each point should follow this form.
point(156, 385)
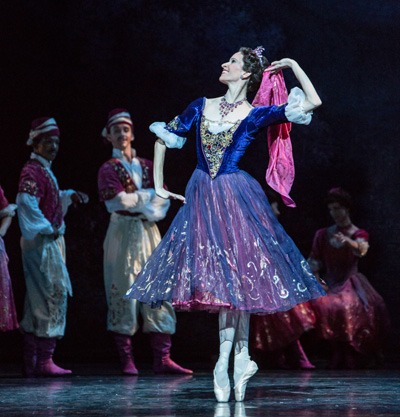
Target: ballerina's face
point(233, 69)
point(120, 136)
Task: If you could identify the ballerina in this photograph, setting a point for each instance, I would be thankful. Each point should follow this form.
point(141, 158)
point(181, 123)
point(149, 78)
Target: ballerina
point(225, 251)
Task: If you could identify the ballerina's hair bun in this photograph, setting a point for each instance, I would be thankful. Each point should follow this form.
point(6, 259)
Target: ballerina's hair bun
point(255, 63)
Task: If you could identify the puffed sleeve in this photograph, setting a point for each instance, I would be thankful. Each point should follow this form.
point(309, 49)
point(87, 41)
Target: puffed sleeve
point(65, 197)
point(6, 209)
point(362, 238)
point(31, 219)
point(294, 110)
point(156, 209)
point(361, 234)
point(173, 133)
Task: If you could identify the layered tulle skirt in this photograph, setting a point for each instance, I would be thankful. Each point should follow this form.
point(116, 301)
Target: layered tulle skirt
point(225, 248)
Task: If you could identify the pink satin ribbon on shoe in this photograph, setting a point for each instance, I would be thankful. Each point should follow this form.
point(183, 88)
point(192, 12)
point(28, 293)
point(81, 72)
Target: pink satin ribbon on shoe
point(280, 171)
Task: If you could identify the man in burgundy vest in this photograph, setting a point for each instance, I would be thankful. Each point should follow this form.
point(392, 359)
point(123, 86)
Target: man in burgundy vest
point(127, 189)
point(42, 206)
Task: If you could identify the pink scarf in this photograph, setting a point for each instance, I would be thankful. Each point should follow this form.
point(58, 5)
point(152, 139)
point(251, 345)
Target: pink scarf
point(280, 171)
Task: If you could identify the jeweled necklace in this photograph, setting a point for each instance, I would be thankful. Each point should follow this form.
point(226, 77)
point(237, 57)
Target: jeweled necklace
point(225, 107)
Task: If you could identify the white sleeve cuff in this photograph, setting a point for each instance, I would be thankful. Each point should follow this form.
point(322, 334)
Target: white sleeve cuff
point(31, 219)
point(294, 111)
point(65, 197)
point(132, 202)
point(156, 209)
point(171, 140)
point(9, 211)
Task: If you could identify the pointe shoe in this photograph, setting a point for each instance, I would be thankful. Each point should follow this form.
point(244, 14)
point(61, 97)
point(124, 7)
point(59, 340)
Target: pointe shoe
point(240, 386)
point(221, 394)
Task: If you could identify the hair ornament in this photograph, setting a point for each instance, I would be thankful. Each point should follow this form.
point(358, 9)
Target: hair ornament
point(259, 52)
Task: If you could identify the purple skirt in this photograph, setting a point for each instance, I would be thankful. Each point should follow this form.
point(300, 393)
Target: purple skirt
point(225, 248)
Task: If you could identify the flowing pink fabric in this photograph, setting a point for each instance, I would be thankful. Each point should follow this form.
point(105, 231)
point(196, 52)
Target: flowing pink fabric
point(280, 171)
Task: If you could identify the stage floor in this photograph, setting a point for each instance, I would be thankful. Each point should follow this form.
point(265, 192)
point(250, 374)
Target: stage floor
point(91, 392)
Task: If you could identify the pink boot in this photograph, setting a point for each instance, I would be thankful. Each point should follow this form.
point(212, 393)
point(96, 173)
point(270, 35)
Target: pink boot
point(163, 364)
point(30, 355)
point(45, 365)
point(124, 347)
point(298, 356)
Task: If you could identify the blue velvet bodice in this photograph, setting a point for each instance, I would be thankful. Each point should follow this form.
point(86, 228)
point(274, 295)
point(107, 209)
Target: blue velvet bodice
point(220, 153)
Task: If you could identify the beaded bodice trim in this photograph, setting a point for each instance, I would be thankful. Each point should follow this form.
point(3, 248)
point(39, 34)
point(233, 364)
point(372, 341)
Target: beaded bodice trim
point(215, 144)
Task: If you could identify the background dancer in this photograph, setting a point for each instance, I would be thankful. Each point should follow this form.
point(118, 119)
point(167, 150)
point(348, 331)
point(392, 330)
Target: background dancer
point(41, 210)
point(126, 186)
point(8, 315)
point(352, 316)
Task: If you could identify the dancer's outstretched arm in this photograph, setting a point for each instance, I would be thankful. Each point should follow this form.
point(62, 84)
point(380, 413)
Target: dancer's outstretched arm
point(312, 100)
point(159, 156)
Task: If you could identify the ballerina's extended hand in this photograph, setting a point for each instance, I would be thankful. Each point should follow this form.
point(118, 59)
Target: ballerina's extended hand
point(163, 193)
point(277, 66)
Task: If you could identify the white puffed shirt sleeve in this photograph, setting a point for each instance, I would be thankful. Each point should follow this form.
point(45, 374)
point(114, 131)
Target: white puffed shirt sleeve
point(30, 217)
point(156, 209)
point(171, 139)
point(8, 211)
point(65, 197)
point(294, 110)
point(132, 202)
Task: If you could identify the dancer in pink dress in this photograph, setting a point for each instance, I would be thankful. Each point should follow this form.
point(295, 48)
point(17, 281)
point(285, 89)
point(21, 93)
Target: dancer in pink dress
point(352, 316)
point(8, 315)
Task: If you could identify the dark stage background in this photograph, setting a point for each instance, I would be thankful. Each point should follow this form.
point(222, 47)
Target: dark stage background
point(77, 60)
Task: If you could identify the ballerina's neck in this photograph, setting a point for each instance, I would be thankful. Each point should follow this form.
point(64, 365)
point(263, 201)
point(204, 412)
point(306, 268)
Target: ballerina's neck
point(232, 97)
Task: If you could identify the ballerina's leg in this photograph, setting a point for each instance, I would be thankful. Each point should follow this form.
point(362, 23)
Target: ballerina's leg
point(228, 320)
point(244, 368)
